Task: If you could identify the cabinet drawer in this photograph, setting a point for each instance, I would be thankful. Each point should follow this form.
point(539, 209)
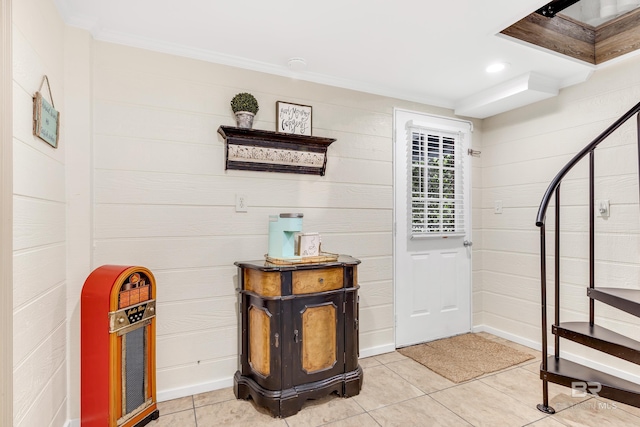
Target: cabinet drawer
point(310, 281)
point(262, 283)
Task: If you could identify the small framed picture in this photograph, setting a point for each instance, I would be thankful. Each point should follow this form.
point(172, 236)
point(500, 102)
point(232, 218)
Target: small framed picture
point(293, 118)
point(308, 244)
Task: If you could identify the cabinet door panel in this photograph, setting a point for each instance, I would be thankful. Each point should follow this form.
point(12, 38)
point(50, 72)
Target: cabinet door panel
point(318, 351)
point(263, 341)
point(259, 337)
point(319, 347)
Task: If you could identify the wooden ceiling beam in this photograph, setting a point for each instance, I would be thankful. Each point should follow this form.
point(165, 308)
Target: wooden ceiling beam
point(618, 37)
point(566, 36)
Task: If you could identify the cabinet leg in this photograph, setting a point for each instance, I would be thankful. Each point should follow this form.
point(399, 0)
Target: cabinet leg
point(353, 382)
point(240, 389)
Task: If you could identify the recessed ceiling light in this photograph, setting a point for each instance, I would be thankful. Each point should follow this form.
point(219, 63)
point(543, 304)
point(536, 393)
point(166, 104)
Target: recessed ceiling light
point(297, 64)
point(497, 67)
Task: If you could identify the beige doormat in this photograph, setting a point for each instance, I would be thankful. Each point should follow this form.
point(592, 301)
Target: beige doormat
point(464, 357)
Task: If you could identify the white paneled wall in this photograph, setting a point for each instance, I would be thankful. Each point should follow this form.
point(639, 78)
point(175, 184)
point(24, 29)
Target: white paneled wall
point(139, 179)
point(6, 214)
point(162, 199)
point(522, 152)
point(39, 235)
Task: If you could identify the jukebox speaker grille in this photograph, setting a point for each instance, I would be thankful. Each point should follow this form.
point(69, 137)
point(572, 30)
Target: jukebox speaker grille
point(135, 367)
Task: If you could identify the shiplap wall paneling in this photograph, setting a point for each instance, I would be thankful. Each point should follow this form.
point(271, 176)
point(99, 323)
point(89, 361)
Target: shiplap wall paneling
point(162, 198)
point(522, 151)
point(40, 325)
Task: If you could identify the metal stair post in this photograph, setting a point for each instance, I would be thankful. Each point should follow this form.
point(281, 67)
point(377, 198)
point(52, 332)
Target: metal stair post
point(560, 371)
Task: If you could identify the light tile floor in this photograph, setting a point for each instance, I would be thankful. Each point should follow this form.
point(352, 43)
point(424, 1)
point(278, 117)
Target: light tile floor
point(400, 392)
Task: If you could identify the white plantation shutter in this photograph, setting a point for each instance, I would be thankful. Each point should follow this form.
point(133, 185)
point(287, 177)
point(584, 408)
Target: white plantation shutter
point(436, 195)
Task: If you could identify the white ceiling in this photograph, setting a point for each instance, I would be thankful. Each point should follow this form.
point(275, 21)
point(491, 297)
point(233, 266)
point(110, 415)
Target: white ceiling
point(433, 52)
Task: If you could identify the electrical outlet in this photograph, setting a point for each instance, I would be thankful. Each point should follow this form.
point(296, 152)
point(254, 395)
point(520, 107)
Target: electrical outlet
point(241, 203)
point(497, 209)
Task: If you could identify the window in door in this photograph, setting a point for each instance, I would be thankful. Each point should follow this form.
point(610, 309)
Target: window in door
point(436, 197)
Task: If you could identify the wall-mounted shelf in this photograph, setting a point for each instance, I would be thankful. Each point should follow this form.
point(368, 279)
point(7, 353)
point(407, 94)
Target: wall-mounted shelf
point(261, 150)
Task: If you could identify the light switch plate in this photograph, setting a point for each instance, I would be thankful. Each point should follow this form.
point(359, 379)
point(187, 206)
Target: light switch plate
point(602, 208)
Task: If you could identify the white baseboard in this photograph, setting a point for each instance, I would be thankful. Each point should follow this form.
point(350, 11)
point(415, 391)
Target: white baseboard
point(600, 367)
point(176, 393)
point(508, 336)
point(374, 351)
point(565, 355)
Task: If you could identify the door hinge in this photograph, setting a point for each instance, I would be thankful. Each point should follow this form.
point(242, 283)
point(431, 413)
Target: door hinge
point(344, 307)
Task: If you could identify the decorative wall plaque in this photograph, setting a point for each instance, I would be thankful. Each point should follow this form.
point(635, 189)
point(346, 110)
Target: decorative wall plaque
point(46, 120)
point(259, 150)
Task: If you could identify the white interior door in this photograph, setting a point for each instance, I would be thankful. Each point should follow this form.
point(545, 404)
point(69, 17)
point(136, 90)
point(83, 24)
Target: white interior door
point(432, 227)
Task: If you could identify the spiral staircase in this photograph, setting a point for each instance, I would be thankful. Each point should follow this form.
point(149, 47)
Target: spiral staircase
point(553, 368)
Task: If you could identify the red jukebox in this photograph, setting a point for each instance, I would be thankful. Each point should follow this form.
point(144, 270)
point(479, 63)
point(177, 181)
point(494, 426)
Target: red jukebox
point(117, 345)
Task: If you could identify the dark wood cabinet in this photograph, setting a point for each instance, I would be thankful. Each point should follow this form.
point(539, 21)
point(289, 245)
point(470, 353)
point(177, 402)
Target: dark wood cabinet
point(298, 333)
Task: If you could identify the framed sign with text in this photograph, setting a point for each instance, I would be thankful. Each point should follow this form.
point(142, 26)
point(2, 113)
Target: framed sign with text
point(46, 119)
point(293, 118)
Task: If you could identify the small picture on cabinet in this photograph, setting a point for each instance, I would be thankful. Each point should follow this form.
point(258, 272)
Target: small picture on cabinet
point(308, 244)
point(293, 118)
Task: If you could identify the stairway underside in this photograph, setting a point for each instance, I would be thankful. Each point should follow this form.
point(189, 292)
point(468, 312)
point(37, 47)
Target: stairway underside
point(567, 373)
point(601, 339)
point(624, 299)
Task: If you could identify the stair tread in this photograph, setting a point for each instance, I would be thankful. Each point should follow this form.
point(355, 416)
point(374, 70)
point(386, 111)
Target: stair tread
point(563, 371)
point(600, 333)
point(627, 300)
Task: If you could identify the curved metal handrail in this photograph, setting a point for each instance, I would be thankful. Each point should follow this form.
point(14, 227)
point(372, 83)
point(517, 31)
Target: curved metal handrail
point(554, 188)
point(546, 199)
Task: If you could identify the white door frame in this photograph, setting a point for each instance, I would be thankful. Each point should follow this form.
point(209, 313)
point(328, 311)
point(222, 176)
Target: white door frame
point(469, 217)
point(6, 216)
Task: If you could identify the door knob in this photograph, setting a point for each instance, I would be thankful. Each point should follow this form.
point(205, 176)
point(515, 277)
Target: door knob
point(467, 243)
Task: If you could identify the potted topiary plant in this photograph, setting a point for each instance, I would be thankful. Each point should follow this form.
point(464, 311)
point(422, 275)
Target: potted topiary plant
point(245, 107)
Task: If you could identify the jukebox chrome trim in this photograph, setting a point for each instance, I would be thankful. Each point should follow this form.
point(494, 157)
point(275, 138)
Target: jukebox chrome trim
point(132, 315)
